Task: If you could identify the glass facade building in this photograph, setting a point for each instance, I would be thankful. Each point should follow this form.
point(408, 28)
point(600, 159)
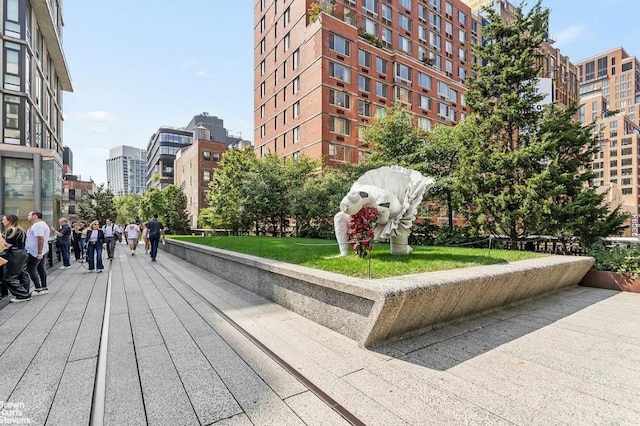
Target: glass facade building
point(34, 75)
point(161, 153)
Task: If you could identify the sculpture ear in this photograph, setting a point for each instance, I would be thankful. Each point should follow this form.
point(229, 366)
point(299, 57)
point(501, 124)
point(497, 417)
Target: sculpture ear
point(363, 194)
point(384, 205)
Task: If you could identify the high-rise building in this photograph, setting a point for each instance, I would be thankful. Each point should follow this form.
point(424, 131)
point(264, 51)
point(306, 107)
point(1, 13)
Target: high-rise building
point(161, 153)
point(127, 170)
point(610, 98)
point(558, 75)
point(34, 73)
point(319, 80)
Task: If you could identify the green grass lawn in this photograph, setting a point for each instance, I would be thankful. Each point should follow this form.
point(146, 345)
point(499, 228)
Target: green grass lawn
point(318, 254)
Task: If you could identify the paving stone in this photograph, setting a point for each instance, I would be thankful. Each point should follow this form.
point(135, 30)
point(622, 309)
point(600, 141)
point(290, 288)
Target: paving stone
point(72, 402)
point(165, 399)
point(313, 411)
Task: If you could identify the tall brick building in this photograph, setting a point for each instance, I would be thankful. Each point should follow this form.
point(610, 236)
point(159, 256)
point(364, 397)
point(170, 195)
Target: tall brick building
point(320, 80)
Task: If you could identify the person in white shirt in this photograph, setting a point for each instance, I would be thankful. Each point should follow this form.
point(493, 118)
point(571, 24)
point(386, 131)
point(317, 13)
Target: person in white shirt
point(111, 231)
point(37, 246)
point(132, 234)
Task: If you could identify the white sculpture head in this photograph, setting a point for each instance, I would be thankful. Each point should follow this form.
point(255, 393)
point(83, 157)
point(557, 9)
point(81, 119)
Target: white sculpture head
point(353, 202)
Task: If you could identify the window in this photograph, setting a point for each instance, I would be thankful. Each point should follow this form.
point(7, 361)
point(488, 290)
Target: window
point(403, 73)
point(339, 44)
point(263, 46)
point(386, 37)
point(339, 153)
point(424, 123)
point(364, 58)
point(406, 4)
point(381, 65)
point(296, 85)
point(296, 59)
point(425, 102)
point(206, 175)
point(443, 90)
point(462, 19)
point(339, 98)
point(296, 134)
point(263, 131)
point(370, 27)
point(435, 40)
point(364, 108)
point(424, 81)
point(339, 72)
point(12, 19)
point(262, 68)
point(370, 6)
point(381, 89)
point(403, 95)
point(287, 16)
point(296, 109)
point(386, 14)
point(339, 125)
point(462, 36)
point(12, 79)
point(263, 24)
point(405, 22)
point(287, 42)
point(364, 83)
point(404, 44)
point(11, 126)
point(435, 21)
point(206, 155)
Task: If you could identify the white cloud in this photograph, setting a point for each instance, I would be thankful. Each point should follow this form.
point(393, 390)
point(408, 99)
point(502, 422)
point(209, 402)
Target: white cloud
point(94, 121)
point(202, 74)
point(569, 35)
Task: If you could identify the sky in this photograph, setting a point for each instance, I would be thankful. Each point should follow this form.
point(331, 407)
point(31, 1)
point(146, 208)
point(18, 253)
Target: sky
point(139, 65)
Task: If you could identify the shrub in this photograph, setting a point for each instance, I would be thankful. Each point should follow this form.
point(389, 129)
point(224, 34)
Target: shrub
point(625, 261)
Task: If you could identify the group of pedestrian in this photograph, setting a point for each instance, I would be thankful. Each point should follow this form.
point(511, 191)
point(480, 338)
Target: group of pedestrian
point(23, 253)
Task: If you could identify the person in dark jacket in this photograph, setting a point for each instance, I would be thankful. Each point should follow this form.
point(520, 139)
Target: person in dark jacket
point(63, 241)
point(14, 274)
point(95, 241)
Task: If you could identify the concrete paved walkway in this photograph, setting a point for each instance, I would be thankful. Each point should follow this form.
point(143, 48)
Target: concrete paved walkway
point(170, 357)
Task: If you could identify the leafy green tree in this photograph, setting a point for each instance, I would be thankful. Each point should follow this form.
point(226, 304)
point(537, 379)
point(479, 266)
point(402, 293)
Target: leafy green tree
point(98, 205)
point(503, 153)
point(152, 203)
point(175, 215)
point(227, 192)
point(395, 139)
point(316, 203)
point(127, 208)
point(270, 190)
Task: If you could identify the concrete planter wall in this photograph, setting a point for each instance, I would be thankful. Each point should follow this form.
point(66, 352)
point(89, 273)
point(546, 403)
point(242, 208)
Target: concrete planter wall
point(370, 311)
point(610, 281)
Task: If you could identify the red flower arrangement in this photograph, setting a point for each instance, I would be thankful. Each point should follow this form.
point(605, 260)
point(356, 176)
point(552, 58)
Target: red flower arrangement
point(360, 233)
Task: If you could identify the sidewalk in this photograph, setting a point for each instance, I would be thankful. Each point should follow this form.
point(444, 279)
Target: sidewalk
point(172, 358)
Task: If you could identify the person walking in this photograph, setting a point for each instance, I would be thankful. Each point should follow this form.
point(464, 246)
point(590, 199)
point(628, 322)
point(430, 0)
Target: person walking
point(37, 247)
point(75, 241)
point(110, 231)
point(95, 240)
point(132, 235)
point(63, 241)
point(84, 227)
point(14, 274)
point(156, 230)
point(145, 234)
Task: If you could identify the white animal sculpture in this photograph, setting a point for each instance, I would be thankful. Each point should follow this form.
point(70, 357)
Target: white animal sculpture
point(396, 193)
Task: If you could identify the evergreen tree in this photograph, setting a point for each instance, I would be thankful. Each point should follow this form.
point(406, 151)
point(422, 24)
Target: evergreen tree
point(98, 205)
point(502, 153)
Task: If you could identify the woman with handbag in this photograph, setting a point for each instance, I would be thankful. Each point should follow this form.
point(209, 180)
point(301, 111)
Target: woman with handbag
point(95, 241)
